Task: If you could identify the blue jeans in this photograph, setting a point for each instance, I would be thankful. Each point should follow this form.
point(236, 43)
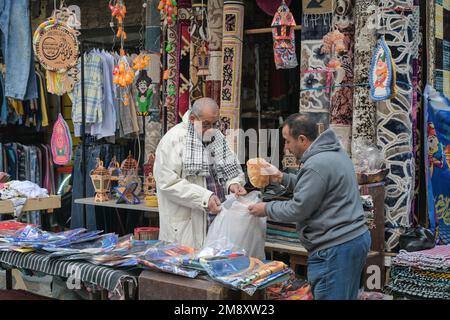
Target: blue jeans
point(20, 79)
point(335, 273)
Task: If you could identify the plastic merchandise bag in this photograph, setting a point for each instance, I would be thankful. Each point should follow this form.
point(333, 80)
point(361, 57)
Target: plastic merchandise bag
point(367, 157)
point(234, 227)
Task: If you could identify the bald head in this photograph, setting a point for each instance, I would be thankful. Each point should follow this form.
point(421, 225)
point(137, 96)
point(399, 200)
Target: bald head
point(204, 105)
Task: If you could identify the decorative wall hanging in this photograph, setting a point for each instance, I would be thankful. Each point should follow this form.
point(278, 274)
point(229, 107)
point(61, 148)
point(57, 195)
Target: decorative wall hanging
point(437, 162)
point(333, 42)
point(341, 109)
point(61, 142)
point(56, 46)
point(382, 73)
point(144, 94)
point(315, 10)
point(283, 24)
point(233, 27)
point(215, 20)
point(101, 181)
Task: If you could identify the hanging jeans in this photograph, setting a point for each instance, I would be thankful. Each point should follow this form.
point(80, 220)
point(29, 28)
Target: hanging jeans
point(20, 80)
point(92, 153)
point(3, 102)
point(335, 273)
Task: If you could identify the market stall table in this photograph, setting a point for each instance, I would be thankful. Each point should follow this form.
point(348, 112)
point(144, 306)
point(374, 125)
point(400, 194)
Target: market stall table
point(108, 279)
point(163, 286)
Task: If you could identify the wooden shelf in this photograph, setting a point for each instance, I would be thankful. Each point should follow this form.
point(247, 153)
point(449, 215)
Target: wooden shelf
point(265, 30)
point(113, 204)
point(52, 202)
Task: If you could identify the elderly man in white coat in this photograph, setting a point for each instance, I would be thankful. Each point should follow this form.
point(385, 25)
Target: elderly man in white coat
point(194, 169)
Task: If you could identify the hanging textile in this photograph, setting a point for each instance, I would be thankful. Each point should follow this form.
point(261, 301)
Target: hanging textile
point(314, 99)
point(215, 17)
point(153, 121)
point(382, 77)
point(394, 125)
point(170, 48)
point(364, 110)
point(61, 142)
point(233, 25)
point(184, 47)
point(283, 24)
point(442, 46)
point(198, 32)
point(437, 162)
point(315, 11)
point(341, 109)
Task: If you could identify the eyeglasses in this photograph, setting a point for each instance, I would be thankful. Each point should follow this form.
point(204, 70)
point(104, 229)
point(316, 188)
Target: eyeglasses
point(208, 125)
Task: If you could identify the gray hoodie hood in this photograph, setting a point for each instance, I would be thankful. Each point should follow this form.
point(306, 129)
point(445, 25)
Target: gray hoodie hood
point(327, 141)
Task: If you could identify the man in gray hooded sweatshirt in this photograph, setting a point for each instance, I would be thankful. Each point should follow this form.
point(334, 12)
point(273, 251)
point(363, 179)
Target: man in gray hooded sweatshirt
point(326, 207)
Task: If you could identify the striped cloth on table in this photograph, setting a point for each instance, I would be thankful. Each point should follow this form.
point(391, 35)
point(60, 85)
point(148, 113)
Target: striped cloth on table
point(107, 278)
point(417, 283)
point(281, 239)
point(282, 233)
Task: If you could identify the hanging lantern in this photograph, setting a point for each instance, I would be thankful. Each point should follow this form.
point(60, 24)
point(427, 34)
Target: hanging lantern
point(283, 24)
point(101, 179)
point(203, 61)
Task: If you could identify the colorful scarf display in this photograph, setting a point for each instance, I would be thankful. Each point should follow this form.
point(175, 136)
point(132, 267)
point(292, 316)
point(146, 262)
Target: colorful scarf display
point(437, 162)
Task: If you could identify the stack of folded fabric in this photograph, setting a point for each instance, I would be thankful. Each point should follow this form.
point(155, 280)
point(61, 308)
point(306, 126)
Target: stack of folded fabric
point(424, 274)
point(284, 233)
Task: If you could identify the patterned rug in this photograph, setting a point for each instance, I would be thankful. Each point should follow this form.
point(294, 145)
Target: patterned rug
point(341, 109)
point(364, 110)
point(394, 125)
point(198, 21)
point(215, 20)
point(231, 67)
point(442, 46)
point(172, 66)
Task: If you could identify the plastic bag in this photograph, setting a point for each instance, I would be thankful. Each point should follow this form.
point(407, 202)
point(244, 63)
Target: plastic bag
point(367, 157)
point(235, 227)
point(416, 239)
